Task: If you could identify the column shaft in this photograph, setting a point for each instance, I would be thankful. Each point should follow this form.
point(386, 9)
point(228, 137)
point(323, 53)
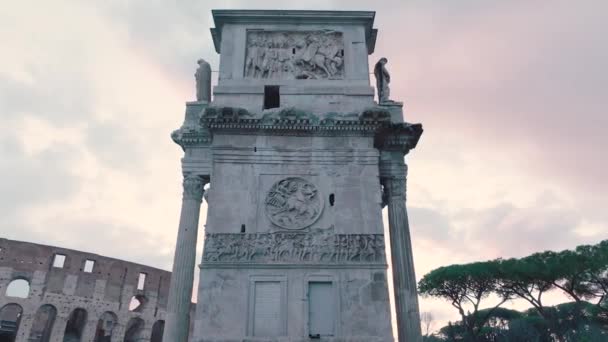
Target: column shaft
point(404, 278)
point(182, 278)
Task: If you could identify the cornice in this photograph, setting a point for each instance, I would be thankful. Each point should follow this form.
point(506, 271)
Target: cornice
point(249, 265)
point(401, 137)
point(222, 17)
point(290, 121)
point(186, 137)
point(371, 122)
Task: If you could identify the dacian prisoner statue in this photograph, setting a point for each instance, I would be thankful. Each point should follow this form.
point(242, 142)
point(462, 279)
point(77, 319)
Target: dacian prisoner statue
point(383, 78)
point(203, 81)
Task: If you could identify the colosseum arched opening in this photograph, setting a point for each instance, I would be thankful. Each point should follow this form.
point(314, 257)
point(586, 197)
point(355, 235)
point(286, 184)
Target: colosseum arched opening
point(50, 294)
point(135, 329)
point(42, 326)
point(157, 331)
point(105, 327)
point(75, 325)
point(10, 318)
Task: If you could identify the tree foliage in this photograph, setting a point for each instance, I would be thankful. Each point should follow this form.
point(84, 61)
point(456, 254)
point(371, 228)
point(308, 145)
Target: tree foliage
point(465, 286)
point(581, 274)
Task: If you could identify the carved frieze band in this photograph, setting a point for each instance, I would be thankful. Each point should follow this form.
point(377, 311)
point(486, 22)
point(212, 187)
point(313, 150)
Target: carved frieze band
point(193, 187)
point(321, 246)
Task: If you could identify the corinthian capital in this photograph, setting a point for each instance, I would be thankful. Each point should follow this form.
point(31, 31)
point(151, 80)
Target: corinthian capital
point(394, 184)
point(193, 187)
point(393, 188)
point(397, 187)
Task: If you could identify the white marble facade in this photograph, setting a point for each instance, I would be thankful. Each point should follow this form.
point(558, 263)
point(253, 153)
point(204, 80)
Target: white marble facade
point(318, 58)
point(246, 172)
point(295, 245)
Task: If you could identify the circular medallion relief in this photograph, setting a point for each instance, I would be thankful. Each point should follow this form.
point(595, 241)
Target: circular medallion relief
point(293, 203)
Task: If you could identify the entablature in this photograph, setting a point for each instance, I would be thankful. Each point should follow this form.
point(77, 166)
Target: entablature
point(376, 122)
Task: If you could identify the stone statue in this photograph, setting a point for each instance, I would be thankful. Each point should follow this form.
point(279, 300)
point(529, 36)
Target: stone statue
point(203, 81)
point(383, 78)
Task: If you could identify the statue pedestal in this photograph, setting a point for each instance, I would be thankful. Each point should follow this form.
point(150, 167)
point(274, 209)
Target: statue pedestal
point(194, 109)
point(396, 110)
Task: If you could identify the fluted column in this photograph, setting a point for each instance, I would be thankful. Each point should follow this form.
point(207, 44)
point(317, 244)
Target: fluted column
point(180, 292)
point(404, 277)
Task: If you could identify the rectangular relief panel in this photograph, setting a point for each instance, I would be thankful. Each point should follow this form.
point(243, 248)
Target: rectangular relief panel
point(267, 309)
point(321, 309)
point(300, 247)
point(289, 55)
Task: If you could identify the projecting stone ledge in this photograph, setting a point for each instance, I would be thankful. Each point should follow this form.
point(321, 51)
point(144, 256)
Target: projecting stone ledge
point(376, 120)
point(308, 339)
point(374, 113)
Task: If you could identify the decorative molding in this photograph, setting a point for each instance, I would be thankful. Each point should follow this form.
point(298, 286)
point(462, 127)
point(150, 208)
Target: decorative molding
point(321, 246)
point(401, 137)
point(202, 120)
point(337, 156)
point(291, 121)
point(291, 265)
point(273, 17)
point(187, 139)
point(192, 133)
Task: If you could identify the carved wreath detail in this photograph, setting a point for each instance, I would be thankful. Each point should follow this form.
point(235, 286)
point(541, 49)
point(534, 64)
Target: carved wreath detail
point(293, 203)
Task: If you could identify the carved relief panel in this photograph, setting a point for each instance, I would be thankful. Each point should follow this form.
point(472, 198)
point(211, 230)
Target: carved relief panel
point(294, 55)
point(293, 203)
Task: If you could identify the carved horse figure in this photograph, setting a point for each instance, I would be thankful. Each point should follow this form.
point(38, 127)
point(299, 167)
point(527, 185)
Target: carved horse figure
point(308, 53)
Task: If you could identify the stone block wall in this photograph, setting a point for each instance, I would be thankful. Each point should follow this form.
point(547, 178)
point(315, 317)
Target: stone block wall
point(74, 302)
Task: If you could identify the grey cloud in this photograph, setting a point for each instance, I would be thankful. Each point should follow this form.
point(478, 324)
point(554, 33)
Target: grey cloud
point(114, 145)
point(526, 79)
point(29, 180)
point(175, 35)
point(506, 230)
point(430, 224)
point(529, 79)
point(59, 92)
point(502, 230)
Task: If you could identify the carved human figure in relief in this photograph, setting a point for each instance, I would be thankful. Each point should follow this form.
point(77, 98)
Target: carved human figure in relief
point(203, 81)
point(317, 245)
point(383, 78)
point(294, 55)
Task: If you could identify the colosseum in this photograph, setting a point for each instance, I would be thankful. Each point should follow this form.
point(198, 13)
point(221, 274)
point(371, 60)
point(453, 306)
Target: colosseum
point(55, 294)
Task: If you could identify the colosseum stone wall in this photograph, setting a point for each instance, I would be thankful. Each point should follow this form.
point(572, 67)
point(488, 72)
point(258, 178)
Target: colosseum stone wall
point(55, 294)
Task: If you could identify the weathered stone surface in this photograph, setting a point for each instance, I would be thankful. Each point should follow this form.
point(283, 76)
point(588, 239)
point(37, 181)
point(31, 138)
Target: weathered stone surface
point(315, 247)
point(318, 59)
point(383, 78)
point(293, 146)
point(182, 277)
point(203, 81)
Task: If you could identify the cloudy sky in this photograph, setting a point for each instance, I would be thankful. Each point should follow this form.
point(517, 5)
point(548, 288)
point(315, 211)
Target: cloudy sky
point(512, 94)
